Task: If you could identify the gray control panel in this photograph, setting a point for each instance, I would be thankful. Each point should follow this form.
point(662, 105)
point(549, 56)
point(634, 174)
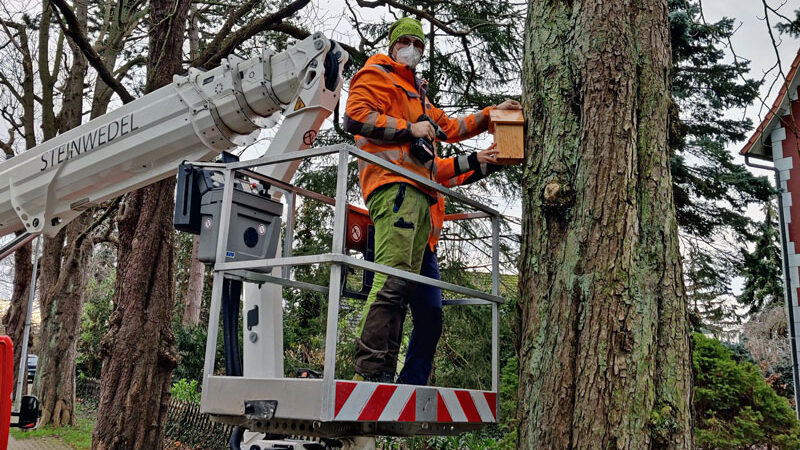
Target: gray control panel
point(254, 229)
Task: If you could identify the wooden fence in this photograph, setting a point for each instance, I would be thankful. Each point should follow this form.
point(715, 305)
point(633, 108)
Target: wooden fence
point(185, 423)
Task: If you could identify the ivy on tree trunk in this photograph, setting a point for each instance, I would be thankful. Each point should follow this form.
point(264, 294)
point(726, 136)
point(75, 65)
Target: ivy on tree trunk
point(604, 339)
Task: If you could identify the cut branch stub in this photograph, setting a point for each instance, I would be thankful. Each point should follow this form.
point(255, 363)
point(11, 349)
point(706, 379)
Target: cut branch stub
point(558, 195)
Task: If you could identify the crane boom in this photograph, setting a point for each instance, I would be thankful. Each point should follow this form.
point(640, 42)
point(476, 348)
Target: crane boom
point(195, 117)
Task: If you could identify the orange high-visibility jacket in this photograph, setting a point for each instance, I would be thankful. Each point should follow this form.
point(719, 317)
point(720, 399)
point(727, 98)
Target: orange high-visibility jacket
point(438, 208)
point(385, 99)
point(460, 175)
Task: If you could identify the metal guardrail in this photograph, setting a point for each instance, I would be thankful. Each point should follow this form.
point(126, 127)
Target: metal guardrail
point(14, 244)
point(337, 258)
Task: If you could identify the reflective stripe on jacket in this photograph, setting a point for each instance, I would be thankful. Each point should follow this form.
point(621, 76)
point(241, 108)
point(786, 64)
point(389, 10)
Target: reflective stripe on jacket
point(454, 172)
point(385, 98)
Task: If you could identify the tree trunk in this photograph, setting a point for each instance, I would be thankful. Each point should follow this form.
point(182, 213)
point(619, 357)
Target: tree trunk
point(194, 290)
point(61, 318)
point(139, 349)
point(604, 340)
point(14, 320)
point(64, 275)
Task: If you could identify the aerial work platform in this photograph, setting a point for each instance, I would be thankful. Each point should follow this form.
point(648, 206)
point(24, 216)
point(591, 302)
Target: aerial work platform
point(263, 399)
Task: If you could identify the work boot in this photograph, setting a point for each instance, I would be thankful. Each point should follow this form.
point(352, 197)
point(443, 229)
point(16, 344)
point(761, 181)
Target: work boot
point(384, 377)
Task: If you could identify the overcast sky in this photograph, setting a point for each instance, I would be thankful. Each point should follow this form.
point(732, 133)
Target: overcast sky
point(752, 41)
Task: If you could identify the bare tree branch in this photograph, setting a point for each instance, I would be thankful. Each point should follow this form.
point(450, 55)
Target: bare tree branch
point(365, 43)
point(212, 56)
point(27, 98)
point(424, 14)
point(471, 72)
point(772, 37)
point(299, 33)
point(225, 30)
point(8, 147)
point(110, 209)
point(11, 88)
point(69, 23)
point(120, 73)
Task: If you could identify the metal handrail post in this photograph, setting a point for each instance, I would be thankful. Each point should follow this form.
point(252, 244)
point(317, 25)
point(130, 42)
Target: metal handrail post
point(291, 201)
point(335, 288)
point(22, 374)
point(495, 306)
point(216, 291)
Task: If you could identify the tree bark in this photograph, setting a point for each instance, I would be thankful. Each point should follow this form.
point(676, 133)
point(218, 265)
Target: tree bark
point(64, 275)
point(194, 290)
point(139, 349)
point(61, 314)
point(197, 270)
point(14, 320)
point(604, 339)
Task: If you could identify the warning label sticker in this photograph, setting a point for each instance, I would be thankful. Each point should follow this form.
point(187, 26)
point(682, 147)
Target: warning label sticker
point(299, 104)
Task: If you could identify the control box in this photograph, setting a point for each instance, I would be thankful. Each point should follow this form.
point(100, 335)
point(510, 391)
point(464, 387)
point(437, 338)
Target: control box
point(255, 222)
point(253, 232)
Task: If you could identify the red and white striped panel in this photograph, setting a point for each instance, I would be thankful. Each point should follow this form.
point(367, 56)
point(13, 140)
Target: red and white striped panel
point(374, 402)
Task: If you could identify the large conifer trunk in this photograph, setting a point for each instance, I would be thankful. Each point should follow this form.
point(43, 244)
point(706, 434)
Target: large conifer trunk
point(138, 350)
point(604, 339)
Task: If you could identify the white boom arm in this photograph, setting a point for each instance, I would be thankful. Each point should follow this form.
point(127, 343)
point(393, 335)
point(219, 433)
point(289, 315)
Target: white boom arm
point(194, 118)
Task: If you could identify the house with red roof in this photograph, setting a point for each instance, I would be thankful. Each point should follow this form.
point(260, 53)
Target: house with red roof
point(775, 145)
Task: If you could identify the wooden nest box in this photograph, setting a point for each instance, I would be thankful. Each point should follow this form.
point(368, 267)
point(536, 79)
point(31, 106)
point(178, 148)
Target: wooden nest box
point(506, 125)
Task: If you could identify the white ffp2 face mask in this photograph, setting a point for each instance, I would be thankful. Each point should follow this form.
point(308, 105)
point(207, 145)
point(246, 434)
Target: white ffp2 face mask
point(409, 56)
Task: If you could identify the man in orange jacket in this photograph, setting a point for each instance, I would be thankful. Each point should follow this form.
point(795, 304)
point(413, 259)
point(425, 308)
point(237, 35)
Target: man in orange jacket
point(426, 306)
point(384, 110)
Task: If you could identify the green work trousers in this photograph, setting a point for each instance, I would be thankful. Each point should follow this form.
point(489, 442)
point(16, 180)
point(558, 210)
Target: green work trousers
point(402, 219)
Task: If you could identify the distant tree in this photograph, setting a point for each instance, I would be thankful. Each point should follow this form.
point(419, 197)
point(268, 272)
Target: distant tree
point(735, 407)
point(712, 189)
point(766, 338)
point(761, 267)
point(94, 324)
point(20, 110)
point(711, 303)
point(790, 26)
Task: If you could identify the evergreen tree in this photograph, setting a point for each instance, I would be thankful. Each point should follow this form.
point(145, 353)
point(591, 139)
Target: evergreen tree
point(790, 26)
point(710, 302)
point(734, 405)
point(761, 267)
point(711, 189)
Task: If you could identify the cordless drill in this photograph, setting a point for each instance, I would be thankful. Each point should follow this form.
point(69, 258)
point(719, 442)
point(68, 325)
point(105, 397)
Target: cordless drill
point(422, 148)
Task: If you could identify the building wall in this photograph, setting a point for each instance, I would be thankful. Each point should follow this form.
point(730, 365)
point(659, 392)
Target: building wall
point(786, 157)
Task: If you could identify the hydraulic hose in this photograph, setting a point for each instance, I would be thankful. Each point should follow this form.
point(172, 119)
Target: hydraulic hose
point(231, 299)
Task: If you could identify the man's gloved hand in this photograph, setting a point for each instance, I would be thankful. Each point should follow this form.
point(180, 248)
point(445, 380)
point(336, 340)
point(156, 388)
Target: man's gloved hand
point(510, 104)
point(423, 129)
point(487, 156)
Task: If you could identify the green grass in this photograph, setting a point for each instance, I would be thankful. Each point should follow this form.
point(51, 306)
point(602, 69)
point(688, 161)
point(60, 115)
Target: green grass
point(78, 436)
